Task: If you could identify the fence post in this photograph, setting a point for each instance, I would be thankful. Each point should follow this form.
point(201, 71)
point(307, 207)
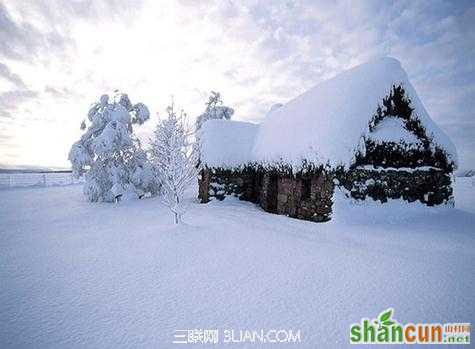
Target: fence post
point(44, 179)
point(10, 181)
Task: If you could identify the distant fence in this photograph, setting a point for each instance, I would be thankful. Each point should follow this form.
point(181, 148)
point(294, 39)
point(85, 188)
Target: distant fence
point(47, 179)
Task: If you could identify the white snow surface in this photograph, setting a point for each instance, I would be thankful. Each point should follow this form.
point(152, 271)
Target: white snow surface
point(80, 275)
point(326, 123)
point(392, 129)
point(400, 169)
point(226, 143)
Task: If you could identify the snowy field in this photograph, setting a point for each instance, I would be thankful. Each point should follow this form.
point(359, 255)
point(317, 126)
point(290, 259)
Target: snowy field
point(80, 275)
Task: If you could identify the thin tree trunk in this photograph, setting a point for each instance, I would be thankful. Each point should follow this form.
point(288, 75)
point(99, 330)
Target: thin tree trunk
point(177, 209)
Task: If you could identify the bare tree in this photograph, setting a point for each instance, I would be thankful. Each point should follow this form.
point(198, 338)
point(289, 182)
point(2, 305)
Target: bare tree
point(175, 160)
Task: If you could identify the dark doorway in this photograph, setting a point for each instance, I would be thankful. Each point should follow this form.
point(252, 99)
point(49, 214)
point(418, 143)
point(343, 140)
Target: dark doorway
point(306, 188)
point(256, 187)
point(272, 191)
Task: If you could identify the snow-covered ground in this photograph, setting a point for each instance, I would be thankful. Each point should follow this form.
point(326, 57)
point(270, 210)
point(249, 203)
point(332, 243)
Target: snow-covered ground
point(11, 180)
point(75, 274)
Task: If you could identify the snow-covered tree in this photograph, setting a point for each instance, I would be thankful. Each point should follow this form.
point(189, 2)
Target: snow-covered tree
point(175, 160)
point(214, 110)
point(108, 153)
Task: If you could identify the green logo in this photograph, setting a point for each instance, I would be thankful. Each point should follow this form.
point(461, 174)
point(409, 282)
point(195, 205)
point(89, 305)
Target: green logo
point(386, 330)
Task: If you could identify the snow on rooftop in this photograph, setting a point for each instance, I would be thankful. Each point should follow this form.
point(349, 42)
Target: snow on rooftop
point(323, 125)
point(226, 143)
point(392, 129)
point(326, 123)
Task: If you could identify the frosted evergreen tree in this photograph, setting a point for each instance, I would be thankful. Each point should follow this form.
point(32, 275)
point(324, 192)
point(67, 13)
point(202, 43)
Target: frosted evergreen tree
point(108, 153)
point(214, 110)
point(175, 160)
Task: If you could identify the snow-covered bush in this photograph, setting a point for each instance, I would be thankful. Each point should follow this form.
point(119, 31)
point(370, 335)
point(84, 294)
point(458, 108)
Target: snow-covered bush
point(108, 153)
point(174, 160)
point(214, 110)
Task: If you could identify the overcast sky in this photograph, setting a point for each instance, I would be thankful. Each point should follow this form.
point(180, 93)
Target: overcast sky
point(57, 57)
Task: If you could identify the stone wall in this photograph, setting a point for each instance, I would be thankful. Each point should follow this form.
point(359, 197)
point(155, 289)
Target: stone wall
point(268, 192)
point(308, 198)
point(319, 206)
point(219, 183)
point(289, 194)
point(429, 186)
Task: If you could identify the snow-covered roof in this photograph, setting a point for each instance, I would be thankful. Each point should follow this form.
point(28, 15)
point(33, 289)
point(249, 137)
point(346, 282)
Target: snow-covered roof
point(392, 129)
point(226, 143)
point(326, 123)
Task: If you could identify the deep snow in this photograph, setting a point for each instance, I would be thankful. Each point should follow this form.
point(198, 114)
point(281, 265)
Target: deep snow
point(75, 274)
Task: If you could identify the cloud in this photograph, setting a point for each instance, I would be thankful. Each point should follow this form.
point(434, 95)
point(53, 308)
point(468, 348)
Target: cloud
point(10, 100)
point(15, 79)
point(17, 40)
point(59, 56)
point(61, 92)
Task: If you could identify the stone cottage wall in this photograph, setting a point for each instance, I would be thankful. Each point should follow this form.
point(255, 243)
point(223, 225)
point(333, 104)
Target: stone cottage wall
point(268, 192)
point(289, 194)
point(427, 185)
point(308, 198)
point(319, 206)
point(219, 183)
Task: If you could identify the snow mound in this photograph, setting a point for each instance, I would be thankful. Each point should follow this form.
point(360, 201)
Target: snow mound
point(325, 125)
point(227, 144)
point(393, 129)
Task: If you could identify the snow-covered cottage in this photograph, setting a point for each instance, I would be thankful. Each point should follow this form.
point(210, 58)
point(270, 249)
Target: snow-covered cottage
point(365, 131)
